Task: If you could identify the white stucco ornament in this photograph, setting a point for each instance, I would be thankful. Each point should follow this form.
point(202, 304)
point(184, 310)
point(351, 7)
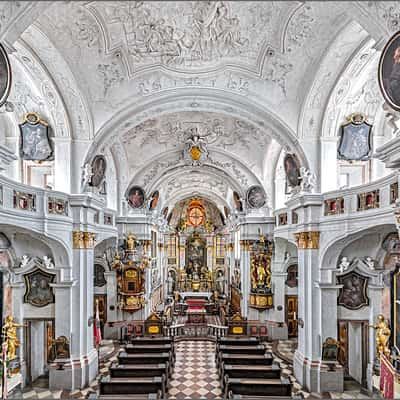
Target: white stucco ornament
point(370, 262)
point(87, 173)
point(24, 261)
point(48, 262)
point(308, 180)
point(344, 264)
point(195, 152)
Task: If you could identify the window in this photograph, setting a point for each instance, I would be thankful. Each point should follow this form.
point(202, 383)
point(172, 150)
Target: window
point(220, 247)
point(171, 246)
point(196, 216)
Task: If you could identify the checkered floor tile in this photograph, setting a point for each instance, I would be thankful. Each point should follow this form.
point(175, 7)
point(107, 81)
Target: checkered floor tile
point(39, 390)
point(195, 375)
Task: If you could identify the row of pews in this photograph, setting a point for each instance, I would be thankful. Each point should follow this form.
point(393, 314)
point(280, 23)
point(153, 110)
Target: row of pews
point(247, 371)
point(142, 371)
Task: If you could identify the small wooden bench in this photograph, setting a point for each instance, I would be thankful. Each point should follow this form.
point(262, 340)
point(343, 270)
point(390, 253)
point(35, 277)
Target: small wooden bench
point(245, 359)
point(232, 396)
point(257, 387)
point(250, 371)
point(148, 348)
point(238, 341)
point(139, 370)
point(144, 385)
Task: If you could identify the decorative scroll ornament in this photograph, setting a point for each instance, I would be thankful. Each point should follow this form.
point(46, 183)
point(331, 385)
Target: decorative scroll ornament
point(35, 141)
point(307, 240)
point(195, 152)
point(355, 139)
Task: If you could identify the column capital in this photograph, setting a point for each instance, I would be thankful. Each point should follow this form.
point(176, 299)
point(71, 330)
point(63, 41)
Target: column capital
point(83, 240)
point(308, 240)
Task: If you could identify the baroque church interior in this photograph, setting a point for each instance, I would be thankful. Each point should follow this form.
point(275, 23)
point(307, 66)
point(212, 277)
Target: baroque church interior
point(199, 199)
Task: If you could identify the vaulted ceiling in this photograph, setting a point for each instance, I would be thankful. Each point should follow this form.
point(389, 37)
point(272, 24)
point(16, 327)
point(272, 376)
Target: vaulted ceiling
point(255, 78)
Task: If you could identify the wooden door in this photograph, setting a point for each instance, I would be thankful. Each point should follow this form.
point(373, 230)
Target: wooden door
point(102, 298)
point(49, 353)
point(291, 315)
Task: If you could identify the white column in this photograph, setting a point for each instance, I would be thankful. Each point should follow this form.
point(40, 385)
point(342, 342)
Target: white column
point(112, 303)
point(62, 164)
point(329, 169)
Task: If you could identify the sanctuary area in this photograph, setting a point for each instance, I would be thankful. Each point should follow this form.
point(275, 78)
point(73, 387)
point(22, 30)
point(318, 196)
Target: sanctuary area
point(199, 200)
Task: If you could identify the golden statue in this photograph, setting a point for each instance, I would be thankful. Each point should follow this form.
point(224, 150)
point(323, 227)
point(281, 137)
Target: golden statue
point(10, 336)
point(209, 226)
point(130, 241)
point(382, 336)
point(117, 263)
point(261, 274)
point(253, 273)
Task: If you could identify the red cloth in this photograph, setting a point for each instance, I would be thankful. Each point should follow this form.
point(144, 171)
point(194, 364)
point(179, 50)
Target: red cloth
point(96, 327)
point(386, 382)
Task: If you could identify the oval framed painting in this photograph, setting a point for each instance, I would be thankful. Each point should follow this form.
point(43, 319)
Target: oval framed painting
point(256, 197)
point(136, 197)
point(389, 72)
point(5, 75)
point(292, 170)
point(99, 166)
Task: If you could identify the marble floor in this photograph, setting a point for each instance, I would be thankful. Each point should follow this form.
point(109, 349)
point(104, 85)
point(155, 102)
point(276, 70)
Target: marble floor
point(194, 376)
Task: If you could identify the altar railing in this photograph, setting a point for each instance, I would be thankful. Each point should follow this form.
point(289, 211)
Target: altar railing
point(183, 331)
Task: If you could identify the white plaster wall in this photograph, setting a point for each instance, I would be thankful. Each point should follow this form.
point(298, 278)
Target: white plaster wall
point(38, 335)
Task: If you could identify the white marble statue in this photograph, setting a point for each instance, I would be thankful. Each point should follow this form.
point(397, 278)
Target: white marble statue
point(87, 173)
point(370, 262)
point(344, 264)
point(48, 262)
point(24, 261)
point(308, 180)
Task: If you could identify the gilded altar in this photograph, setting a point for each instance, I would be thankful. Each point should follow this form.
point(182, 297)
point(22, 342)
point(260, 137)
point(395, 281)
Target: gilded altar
point(130, 266)
point(261, 296)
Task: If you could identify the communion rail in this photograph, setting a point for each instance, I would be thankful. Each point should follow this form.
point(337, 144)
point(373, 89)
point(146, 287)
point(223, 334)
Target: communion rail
point(195, 330)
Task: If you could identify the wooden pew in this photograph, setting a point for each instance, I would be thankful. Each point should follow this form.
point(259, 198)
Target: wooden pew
point(145, 358)
point(143, 385)
point(148, 348)
point(232, 396)
point(150, 396)
point(245, 359)
point(139, 370)
point(152, 340)
point(229, 349)
point(238, 341)
point(250, 371)
point(257, 387)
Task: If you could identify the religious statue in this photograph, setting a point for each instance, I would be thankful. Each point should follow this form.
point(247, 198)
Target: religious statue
point(87, 173)
point(209, 226)
point(170, 283)
point(308, 179)
point(24, 261)
point(382, 336)
point(117, 263)
point(253, 274)
point(130, 242)
point(220, 282)
point(10, 336)
point(261, 274)
point(370, 262)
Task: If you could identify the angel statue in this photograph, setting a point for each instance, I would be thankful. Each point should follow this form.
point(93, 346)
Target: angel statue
point(382, 336)
point(308, 180)
point(10, 336)
point(87, 173)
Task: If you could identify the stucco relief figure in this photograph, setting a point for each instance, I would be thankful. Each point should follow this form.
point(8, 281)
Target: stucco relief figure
point(308, 180)
point(10, 335)
point(154, 200)
point(382, 336)
point(353, 294)
point(237, 202)
point(344, 264)
point(170, 283)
